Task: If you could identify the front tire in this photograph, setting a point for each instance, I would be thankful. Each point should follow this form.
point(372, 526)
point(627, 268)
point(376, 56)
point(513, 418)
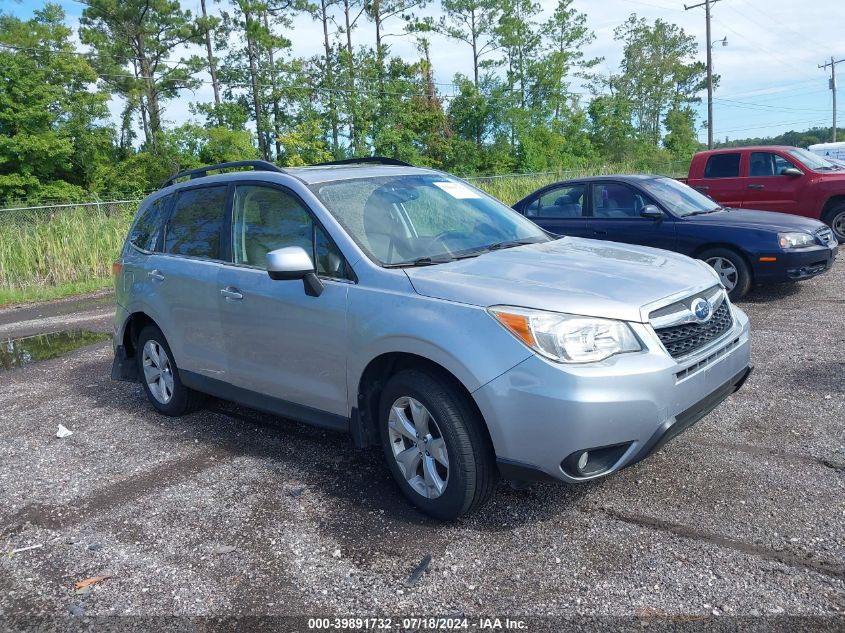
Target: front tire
point(732, 270)
point(435, 445)
point(160, 375)
point(835, 219)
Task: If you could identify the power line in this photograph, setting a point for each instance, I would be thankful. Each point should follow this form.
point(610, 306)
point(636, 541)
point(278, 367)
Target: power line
point(771, 125)
point(763, 106)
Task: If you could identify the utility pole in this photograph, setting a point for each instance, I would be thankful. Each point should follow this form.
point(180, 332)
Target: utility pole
point(832, 63)
point(706, 4)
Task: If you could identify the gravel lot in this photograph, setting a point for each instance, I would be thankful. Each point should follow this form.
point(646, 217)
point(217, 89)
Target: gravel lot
point(231, 512)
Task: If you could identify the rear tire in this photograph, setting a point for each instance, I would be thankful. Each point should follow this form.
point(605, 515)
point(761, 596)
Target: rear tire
point(732, 269)
point(435, 445)
point(835, 219)
point(160, 375)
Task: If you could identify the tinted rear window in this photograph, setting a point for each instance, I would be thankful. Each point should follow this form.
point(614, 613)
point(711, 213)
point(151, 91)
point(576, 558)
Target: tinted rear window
point(196, 222)
point(145, 232)
point(722, 166)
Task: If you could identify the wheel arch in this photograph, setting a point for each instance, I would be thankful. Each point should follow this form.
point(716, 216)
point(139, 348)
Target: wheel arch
point(135, 323)
point(831, 204)
point(379, 370)
point(726, 246)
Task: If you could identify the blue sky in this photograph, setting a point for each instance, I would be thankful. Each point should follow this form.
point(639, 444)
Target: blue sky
point(771, 82)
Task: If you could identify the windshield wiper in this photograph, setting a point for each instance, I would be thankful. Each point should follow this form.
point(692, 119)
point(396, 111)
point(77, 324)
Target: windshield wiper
point(508, 244)
point(420, 261)
point(708, 211)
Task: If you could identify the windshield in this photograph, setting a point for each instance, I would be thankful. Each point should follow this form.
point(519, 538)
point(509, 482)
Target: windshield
point(680, 199)
point(423, 219)
point(812, 161)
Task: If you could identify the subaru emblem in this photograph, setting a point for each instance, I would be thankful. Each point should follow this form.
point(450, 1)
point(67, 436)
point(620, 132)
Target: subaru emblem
point(701, 309)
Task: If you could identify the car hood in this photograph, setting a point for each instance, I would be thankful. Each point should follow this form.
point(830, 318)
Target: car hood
point(749, 218)
point(571, 275)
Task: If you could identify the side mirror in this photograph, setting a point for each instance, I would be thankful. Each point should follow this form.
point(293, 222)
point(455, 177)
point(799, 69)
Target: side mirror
point(292, 262)
point(651, 211)
point(791, 171)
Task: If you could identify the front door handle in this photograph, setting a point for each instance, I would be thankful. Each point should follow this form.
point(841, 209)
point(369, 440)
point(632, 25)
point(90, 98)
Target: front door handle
point(756, 186)
point(155, 275)
point(231, 294)
point(599, 232)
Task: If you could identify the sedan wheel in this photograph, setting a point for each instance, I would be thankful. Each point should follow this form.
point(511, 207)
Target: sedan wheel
point(418, 447)
point(726, 270)
point(158, 372)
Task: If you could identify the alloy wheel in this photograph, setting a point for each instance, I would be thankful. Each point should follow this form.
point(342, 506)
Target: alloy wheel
point(418, 447)
point(726, 270)
point(158, 372)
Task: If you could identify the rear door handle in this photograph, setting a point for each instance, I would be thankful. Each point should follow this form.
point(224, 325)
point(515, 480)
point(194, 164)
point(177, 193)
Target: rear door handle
point(231, 294)
point(599, 232)
point(155, 275)
point(756, 186)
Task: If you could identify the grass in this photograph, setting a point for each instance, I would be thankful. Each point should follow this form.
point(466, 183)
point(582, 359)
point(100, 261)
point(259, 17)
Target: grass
point(46, 254)
point(56, 252)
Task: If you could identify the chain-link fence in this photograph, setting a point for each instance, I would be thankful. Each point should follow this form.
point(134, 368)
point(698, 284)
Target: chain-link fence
point(45, 246)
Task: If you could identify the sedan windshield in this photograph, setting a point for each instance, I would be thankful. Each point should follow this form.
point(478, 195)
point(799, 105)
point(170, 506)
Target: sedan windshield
point(417, 220)
point(812, 161)
point(680, 199)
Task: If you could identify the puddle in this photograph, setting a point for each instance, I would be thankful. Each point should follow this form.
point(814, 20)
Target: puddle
point(18, 352)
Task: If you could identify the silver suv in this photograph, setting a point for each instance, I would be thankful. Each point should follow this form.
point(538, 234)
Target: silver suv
point(413, 311)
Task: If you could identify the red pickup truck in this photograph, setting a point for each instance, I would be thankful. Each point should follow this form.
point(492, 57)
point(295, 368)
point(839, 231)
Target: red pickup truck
point(773, 178)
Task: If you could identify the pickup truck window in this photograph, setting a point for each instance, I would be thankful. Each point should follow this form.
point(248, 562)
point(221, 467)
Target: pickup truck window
point(812, 161)
point(767, 164)
point(722, 166)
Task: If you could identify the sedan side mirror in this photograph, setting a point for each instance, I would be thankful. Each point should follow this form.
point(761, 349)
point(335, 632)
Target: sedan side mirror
point(651, 211)
point(292, 262)
point(791, 171)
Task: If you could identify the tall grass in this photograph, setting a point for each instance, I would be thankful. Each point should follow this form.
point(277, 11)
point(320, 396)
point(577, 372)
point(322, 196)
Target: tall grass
point(52, 252)
point(44, 251)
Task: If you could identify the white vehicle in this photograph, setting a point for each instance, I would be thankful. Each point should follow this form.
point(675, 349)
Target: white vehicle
point(829, 150)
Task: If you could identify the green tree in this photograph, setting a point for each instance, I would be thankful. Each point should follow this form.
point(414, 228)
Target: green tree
point(474, 23)
point(51, 131)
point(681, 139)
point(134, 42)
point(658, 72)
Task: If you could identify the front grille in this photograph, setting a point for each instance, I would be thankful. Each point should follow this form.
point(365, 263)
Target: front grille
point(826, 236)
point(681, 340)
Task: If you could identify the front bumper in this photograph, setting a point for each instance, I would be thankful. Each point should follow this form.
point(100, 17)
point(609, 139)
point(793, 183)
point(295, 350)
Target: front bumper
point(794, 264)
point(542, 414)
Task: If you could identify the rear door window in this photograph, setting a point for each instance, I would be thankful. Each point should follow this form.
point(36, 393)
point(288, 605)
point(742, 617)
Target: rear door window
point(722, 166)
point(560, 202)
point(196, 222)
point(147, 228)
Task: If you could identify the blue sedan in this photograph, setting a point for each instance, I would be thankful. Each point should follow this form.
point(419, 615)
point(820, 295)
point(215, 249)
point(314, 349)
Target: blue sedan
point(745, 247)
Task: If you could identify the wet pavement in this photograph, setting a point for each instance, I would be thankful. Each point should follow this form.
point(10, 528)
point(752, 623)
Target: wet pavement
point(93, 311)
point(232, 512)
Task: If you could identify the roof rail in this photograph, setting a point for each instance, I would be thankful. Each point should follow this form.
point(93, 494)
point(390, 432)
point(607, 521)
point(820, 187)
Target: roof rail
point(200, 172)
point(376, 160)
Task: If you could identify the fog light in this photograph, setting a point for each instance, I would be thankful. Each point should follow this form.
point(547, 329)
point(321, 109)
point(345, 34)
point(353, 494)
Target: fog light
point(582, 461)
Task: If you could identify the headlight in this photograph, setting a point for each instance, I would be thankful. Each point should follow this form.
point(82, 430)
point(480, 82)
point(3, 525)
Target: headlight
point(566, 338)
point(795, 240)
